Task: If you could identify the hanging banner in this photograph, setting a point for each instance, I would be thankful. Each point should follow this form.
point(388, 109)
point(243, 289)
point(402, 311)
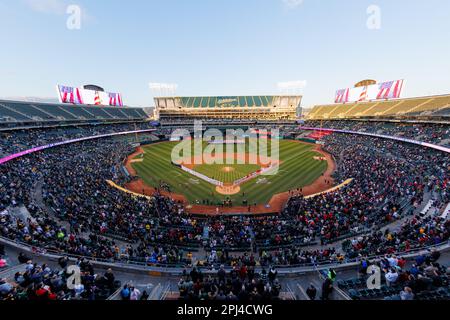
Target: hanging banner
point(380, 91)
point(79, 96)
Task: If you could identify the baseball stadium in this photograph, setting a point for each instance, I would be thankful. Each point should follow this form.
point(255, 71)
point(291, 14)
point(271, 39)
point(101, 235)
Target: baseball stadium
point(239, 186)
point(245, 198)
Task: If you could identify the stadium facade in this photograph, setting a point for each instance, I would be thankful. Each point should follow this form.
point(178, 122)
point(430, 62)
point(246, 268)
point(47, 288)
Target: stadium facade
point(283, 107)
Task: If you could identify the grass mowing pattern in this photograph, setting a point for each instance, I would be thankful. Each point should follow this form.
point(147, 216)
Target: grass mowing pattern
point(216, 171)
point(298, 169)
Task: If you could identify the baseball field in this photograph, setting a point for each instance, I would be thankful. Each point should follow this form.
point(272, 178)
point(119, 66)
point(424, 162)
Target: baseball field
point(299, 165)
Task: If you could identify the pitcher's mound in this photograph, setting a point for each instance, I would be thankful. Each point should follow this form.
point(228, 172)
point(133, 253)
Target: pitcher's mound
point(227, 169)
point(228, 190)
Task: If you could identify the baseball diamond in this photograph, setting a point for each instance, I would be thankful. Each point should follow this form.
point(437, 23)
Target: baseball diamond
point(299, 167)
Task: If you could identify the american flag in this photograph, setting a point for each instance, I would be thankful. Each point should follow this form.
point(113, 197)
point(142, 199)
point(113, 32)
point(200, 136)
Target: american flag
point(390, 90)
point(385, 88)
point(342, 96)
point(70, 95)
point(115, 100)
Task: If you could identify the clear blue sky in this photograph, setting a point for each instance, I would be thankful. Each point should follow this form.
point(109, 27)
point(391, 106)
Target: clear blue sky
point(222, 47)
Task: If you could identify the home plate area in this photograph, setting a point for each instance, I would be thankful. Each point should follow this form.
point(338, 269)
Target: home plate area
point(228, 177)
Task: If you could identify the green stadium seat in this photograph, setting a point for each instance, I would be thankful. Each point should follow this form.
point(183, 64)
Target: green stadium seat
point(396, 107)
point(205, 102)
point(212, 102)
point(250, 102)
point(197, 102)
point(257, 101)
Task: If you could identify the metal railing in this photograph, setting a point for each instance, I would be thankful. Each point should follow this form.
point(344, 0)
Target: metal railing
point(178, 269)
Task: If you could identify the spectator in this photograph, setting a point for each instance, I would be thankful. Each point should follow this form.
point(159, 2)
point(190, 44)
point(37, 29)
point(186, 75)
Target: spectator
point(327, 289)
point(272, 274)
point(125, 292)
point(134, 294)
point(5, 287)
point(391, 277)
point(407, 294)
point(23, 258)
point(311, 292)
point(144, 296)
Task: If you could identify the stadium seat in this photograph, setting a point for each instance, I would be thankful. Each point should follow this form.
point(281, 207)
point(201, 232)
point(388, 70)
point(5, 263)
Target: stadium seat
point(434, 105)
point(12, 111)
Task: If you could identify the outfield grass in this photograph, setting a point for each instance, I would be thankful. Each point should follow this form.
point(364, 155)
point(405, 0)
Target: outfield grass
point(298, 169)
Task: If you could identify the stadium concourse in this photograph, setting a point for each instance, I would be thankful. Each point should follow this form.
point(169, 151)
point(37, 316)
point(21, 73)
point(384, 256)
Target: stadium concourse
point(57, 209)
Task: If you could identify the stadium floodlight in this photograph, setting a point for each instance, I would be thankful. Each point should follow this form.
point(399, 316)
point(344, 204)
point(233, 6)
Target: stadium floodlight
point(292, 87)
point(163, 89)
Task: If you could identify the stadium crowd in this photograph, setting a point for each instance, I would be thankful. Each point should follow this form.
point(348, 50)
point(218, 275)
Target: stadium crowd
point(73, 210)
point(421, 278)
point(44, 283)
point(240, 284)
point(432, 133)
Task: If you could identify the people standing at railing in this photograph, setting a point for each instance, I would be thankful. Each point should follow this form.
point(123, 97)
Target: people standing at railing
point(43, 283)
point(234, 286)
point(311, 292)
point(327, 289)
